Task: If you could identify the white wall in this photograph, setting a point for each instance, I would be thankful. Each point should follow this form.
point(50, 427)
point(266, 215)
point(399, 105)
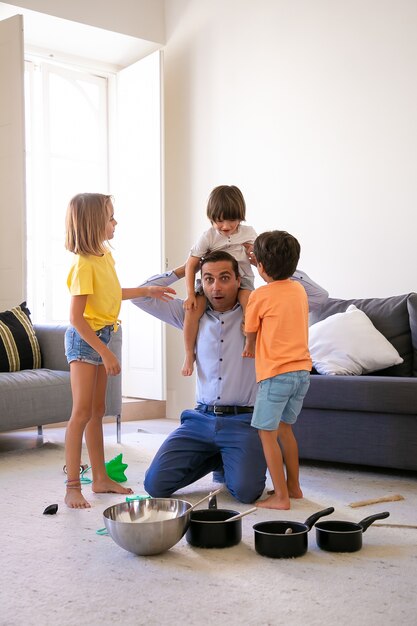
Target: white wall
point(309, 106)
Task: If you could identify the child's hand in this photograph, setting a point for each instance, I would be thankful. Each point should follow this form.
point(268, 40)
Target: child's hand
point(111, 363)
point(190, 303)
point(249, 253)
point(161, 293)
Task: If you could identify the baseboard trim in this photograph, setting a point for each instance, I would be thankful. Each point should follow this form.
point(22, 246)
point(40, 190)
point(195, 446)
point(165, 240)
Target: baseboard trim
point(136, 409)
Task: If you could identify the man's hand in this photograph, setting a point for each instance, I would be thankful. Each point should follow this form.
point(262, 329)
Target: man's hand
point(161, 293)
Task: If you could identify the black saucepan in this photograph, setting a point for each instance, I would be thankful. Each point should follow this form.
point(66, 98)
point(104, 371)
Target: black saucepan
point(208, 529)
point(282, 539)
point(339, 536)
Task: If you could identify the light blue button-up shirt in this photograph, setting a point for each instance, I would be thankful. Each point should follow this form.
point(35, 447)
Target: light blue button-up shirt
point(224, 377)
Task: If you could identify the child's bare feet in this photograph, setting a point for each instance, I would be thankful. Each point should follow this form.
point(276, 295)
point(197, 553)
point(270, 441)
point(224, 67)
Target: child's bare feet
point(107, 485)
point(74, 499)
point(188, 366)
point(295, 492)
point(274, 502)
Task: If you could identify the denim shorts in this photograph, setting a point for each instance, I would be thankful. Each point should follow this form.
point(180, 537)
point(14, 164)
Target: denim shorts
point(76, 349)
point(280, 398)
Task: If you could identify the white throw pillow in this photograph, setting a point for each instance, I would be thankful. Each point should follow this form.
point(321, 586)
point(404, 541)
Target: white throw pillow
point(349, 344)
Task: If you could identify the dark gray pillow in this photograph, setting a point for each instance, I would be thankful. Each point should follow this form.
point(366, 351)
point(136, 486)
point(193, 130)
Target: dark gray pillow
point(391, 317)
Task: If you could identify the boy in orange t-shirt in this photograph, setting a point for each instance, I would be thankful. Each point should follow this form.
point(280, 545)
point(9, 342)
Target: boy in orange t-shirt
point(276, 325)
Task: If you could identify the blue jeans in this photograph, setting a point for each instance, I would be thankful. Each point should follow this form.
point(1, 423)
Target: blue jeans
point(203, 443)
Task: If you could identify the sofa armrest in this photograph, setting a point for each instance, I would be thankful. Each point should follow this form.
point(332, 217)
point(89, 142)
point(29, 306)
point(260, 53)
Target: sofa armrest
point(51, 342)
point(114, 383)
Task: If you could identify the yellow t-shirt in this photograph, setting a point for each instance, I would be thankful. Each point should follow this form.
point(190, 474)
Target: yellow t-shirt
point(95, 277)
point(278, 312)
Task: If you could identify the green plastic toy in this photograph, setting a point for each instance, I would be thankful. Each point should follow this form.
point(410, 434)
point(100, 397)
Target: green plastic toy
point(137, 497)
point(116, 469)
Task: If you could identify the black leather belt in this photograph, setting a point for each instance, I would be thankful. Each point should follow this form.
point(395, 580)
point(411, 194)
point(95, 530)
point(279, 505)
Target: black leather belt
point(223, 410)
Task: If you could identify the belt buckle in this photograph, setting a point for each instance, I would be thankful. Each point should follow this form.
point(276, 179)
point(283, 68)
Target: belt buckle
point(216, 412)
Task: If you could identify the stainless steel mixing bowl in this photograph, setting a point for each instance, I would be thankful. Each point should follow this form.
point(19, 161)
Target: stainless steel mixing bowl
point(147, 527)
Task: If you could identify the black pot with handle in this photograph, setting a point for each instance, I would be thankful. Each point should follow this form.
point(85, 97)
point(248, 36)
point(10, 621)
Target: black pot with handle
point(209, 529)
point(282, 539)
point(340, 536)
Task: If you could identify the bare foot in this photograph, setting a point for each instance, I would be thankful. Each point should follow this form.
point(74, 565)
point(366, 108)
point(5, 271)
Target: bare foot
point(187, 366)
point(74, 499)
point(274, 502)
point(295, 493)
point(107, 485)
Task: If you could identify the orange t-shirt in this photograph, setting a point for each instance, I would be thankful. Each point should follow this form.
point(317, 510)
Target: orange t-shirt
point(278, 312)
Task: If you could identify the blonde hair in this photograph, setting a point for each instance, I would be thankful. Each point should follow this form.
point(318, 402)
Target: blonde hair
point(85, 223)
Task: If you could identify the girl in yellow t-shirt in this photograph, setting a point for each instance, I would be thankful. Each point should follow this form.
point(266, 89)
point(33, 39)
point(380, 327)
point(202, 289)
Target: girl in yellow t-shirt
point(96, 297)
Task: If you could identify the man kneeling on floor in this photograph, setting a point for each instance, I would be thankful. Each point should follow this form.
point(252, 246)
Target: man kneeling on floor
point(217, 435)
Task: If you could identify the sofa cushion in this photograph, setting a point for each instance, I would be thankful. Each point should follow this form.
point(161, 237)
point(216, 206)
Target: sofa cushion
point(374, 394)
point(19, 347)
point(349, 344)
point(33, 397)
point(391, 317)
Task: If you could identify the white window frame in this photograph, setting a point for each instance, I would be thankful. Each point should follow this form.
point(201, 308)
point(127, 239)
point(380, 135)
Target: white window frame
point(46, 280)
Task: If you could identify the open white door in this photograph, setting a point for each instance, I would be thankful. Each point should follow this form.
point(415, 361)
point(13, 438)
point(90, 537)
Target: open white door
point(138, 210)
point(12, 164)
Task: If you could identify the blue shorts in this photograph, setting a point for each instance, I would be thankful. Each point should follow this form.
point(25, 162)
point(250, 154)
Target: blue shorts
point(76, 349)
point(280, 398)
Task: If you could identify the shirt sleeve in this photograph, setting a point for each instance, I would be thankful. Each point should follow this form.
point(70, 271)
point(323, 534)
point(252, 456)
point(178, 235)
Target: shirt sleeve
point(202, 246)
point(316, 295)
point(171, 312)
point(251, 234)
point(80, 279)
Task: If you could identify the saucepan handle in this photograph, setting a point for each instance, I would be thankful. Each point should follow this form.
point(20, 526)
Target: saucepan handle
point(212, 503)
point(310, 521)
point(367, 521)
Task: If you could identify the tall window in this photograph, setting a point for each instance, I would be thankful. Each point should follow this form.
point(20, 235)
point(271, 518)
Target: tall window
point(67, 153)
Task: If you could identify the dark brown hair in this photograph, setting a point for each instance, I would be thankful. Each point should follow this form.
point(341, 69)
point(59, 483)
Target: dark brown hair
point(226, 202)
point(279, 252)
point(220, 255)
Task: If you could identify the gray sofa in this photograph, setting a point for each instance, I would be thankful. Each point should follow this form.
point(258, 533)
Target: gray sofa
point(367, 420)
point(33, 398)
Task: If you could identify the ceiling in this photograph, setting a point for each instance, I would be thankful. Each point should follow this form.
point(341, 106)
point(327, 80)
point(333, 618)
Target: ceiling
point(55, 36)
